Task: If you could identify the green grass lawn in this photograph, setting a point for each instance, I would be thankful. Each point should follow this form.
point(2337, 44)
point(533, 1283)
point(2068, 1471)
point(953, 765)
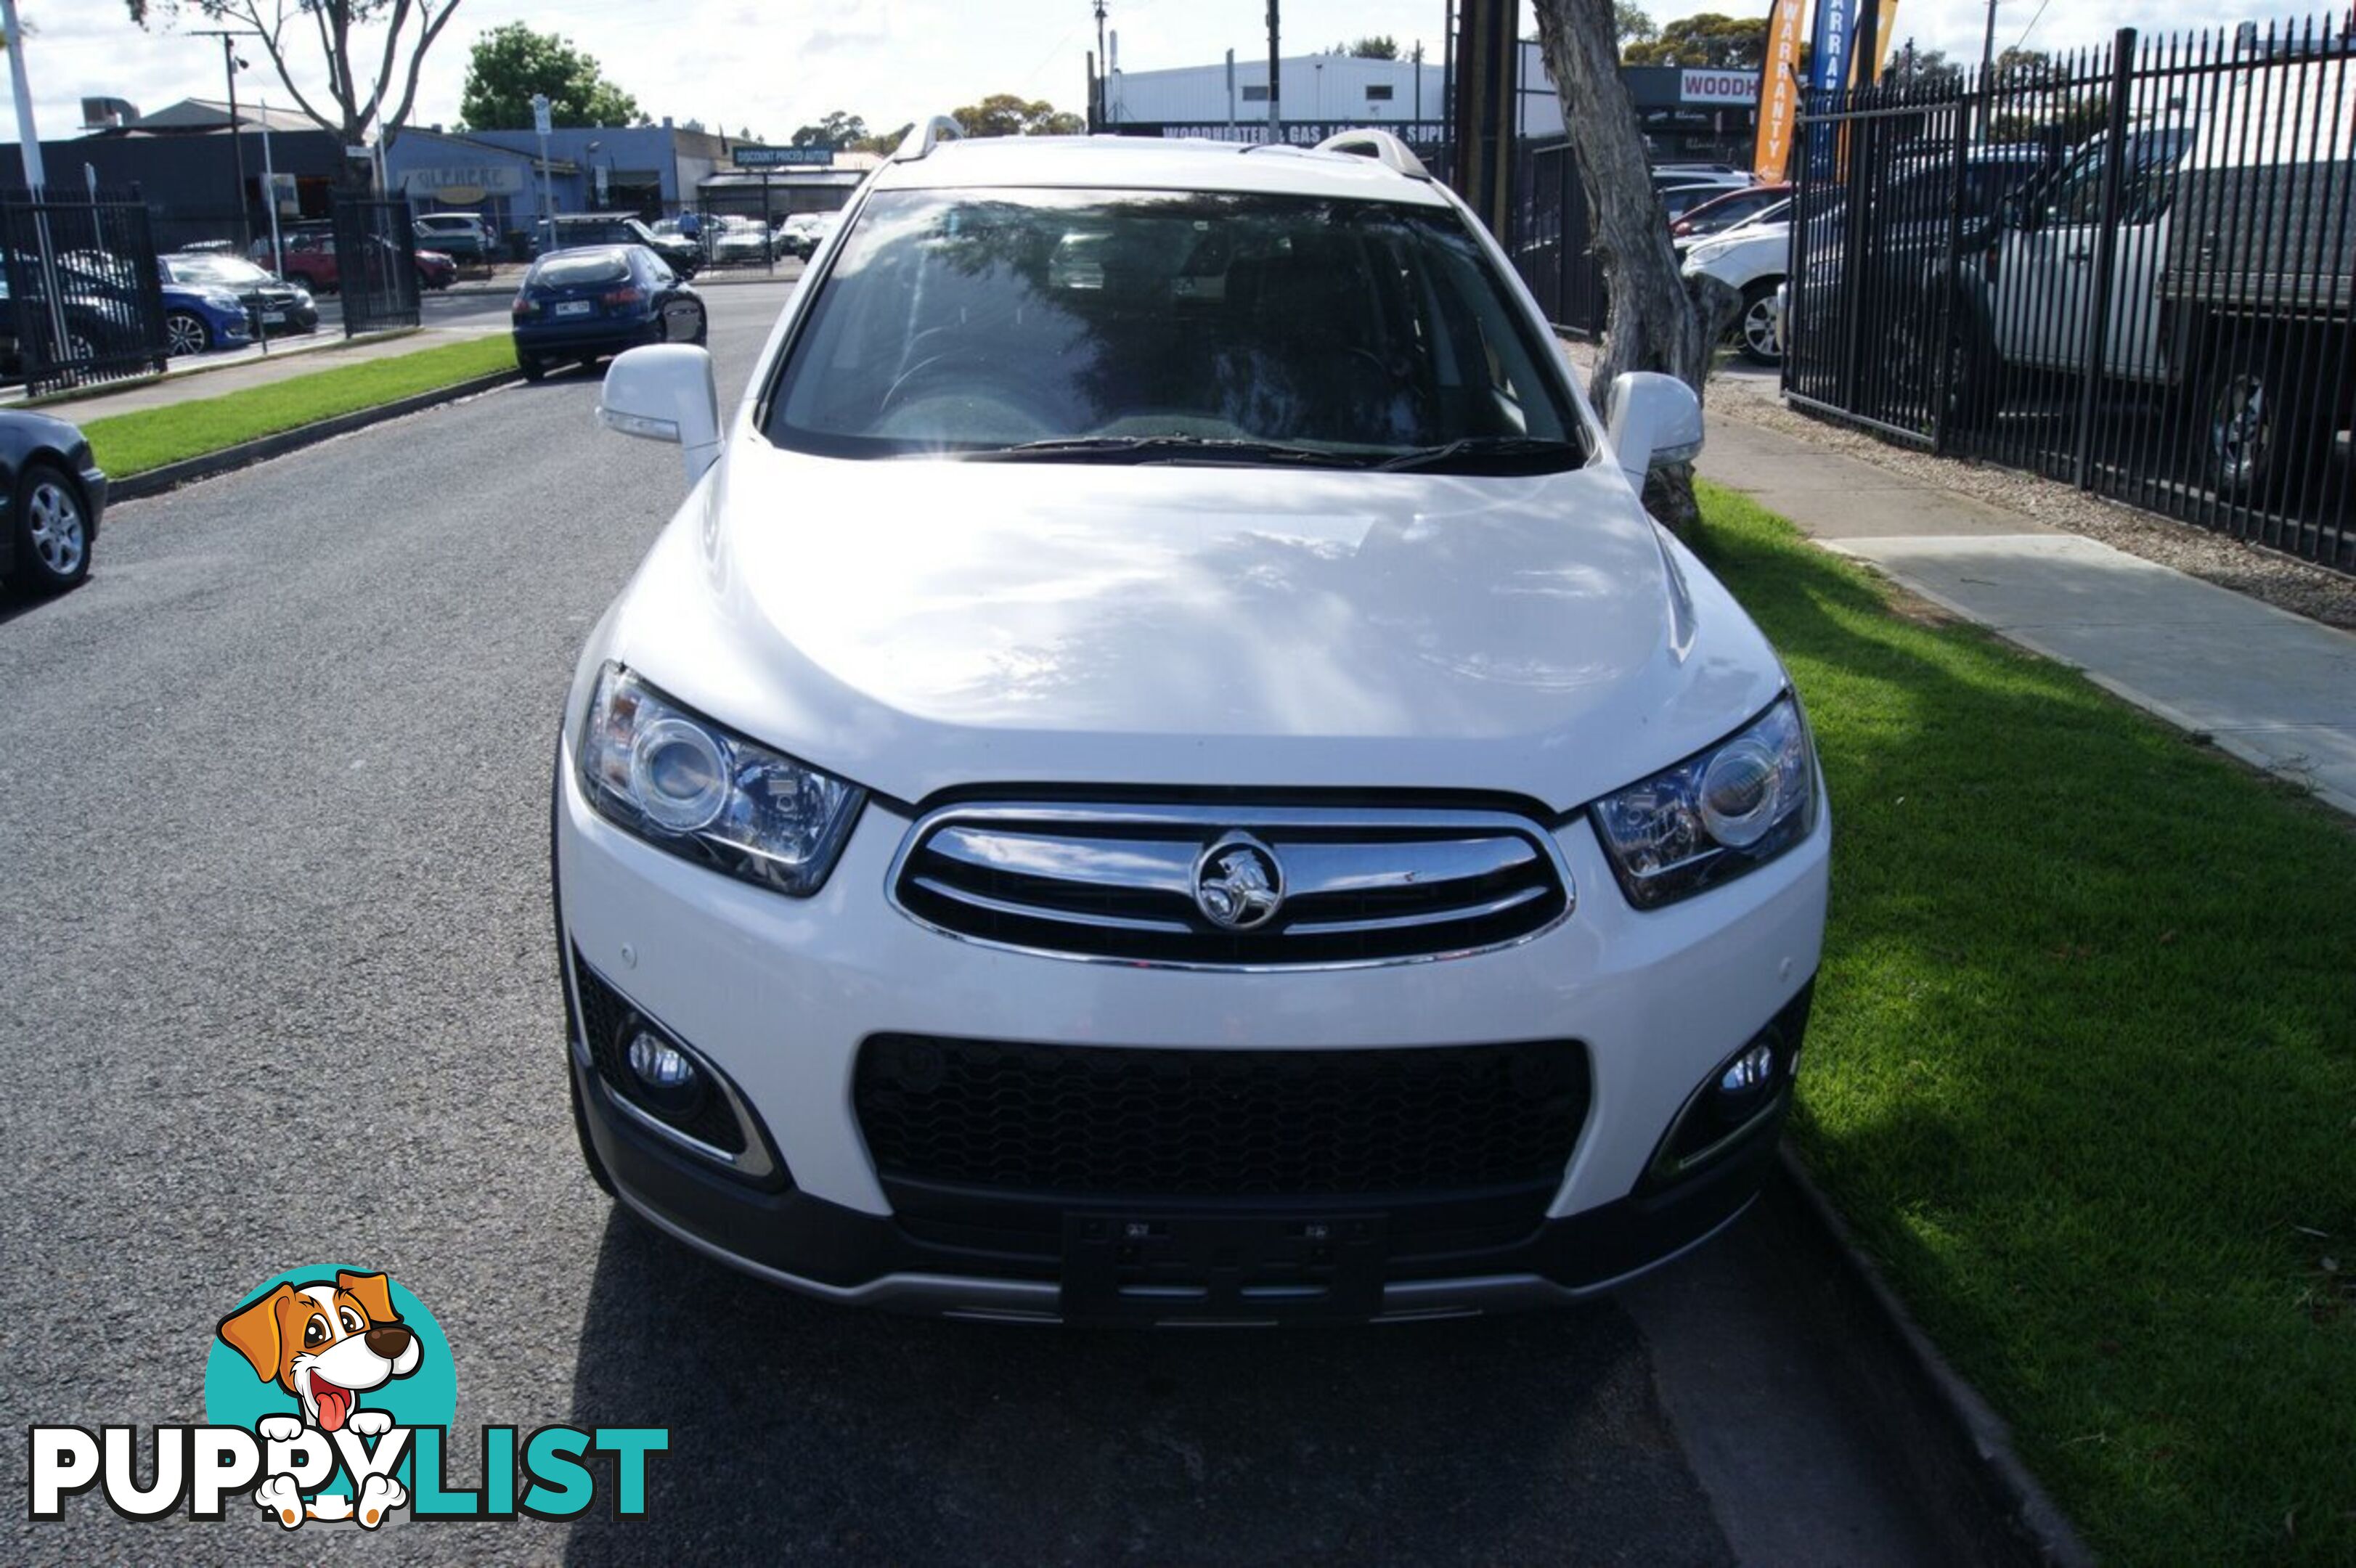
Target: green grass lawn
point(2083, 1068)
point(130, 443)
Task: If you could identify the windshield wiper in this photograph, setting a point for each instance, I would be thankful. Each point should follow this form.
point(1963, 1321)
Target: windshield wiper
point(1160, 449)
point(1490, 455)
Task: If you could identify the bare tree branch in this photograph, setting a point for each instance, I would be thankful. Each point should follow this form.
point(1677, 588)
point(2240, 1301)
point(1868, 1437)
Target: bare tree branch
point(339, 29)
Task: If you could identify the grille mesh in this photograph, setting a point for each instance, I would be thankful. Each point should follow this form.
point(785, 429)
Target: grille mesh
point(1219, 1122)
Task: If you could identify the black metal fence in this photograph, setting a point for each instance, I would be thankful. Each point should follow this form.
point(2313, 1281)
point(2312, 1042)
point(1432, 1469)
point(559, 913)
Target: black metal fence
point(84, 303)
point(1553, 246)
point(376, 264)
point(2132, 269)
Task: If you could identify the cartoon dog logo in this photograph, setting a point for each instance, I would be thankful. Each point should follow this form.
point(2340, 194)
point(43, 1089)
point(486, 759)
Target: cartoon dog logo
point(326, 1343)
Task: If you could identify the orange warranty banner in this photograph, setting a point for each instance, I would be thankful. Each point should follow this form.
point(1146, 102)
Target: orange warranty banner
point(1779, 89)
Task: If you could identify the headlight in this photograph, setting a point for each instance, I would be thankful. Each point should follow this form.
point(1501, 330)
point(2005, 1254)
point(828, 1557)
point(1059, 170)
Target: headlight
point(301, 296)
point(221, 299)
point(1716, 815)
point(685, 785)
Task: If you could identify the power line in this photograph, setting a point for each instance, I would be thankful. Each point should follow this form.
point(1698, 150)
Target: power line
point(2032, 23)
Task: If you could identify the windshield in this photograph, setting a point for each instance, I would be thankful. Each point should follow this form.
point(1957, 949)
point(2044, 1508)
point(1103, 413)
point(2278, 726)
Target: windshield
point(214, 269)
point(1186, 325)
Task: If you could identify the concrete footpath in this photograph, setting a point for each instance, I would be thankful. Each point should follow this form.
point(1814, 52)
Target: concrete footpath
point(2275, 689)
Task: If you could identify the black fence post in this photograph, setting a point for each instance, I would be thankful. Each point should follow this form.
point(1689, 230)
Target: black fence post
point(1950, 279)
point(2106, 253)
point(1854, 144)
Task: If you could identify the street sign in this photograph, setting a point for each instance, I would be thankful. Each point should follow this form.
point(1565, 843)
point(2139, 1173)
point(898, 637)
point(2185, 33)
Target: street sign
point(782, 157)
point(539, 123)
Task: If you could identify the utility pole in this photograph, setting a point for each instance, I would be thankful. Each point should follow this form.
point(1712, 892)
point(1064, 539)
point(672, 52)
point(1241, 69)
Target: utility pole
point(270, 205)
point(1275, 79)
point(1103, 93)
point(28, 143)
point(1987, 73)
point(231, 65)
point(539, 123)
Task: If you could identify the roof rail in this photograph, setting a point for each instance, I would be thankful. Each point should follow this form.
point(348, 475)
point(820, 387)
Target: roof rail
point(922, 139)
point(1381, 145)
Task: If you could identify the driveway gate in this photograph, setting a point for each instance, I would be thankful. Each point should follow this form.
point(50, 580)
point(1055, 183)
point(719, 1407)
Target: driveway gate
point(84, 303)
point(376, 264)
point(1552, 245)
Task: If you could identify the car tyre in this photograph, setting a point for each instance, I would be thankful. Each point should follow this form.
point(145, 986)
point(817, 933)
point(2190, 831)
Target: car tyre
point(185, 333)
point(533, 369)
point(1754, 325)
point(2257, 428)
point(52, 530)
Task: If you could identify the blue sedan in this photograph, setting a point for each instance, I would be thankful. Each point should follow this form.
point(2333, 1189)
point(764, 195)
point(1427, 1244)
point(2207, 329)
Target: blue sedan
point(582, 304)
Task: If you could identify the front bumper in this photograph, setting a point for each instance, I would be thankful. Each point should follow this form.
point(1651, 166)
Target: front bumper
point(780, 993)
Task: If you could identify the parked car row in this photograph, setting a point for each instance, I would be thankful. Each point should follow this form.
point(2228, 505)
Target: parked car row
point(210, 301)
point(1751, 252)
point(574, 230)
point(306, 253)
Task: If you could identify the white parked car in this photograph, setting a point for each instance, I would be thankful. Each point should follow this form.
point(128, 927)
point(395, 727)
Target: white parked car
point(734, 240)
point(1753, 259)
point(1161, 771)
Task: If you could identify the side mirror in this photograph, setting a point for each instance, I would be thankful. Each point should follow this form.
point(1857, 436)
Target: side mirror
point(665, 392)
point(1653, 420)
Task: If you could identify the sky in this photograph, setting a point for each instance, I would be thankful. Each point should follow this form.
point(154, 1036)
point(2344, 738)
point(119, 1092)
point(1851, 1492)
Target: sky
point(773, 65)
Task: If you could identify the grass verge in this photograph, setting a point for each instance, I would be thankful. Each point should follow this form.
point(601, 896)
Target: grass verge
point(2083, 1068)
point(132, 444)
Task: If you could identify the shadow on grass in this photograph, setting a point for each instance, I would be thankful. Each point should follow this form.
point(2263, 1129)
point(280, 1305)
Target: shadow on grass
point(2083, 1064)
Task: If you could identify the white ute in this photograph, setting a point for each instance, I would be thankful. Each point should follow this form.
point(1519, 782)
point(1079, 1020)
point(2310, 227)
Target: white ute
point(1162, 773)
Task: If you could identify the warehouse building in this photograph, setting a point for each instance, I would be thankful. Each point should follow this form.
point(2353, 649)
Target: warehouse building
point(1685, 113)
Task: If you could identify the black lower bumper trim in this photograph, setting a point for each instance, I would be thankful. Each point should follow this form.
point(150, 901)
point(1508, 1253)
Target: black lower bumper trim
point(839, 1252)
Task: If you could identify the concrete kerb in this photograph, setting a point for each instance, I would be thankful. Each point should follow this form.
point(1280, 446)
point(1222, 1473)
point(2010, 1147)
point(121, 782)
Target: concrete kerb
point(172, 475)
point(1978, 1440)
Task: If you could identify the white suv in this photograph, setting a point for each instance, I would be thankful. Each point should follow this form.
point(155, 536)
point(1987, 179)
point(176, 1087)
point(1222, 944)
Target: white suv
point(1162, 771)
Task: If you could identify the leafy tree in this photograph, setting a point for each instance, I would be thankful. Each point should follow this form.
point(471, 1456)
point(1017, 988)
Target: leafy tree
point(1007, 114)
point(1707, 41)
point(1377, 46)
point(369, 51)
point(838, 130)
point(512, 63)
point(883, 142)
point(1911, 66)
point(1634, 24)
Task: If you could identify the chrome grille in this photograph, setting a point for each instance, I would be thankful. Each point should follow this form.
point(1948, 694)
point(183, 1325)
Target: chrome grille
point(1120, 883)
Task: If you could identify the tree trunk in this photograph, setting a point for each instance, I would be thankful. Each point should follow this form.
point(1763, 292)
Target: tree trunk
point(1652, 324)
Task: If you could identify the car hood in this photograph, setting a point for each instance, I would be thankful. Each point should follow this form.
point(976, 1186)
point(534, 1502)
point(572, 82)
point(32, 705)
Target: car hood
point(925, 625)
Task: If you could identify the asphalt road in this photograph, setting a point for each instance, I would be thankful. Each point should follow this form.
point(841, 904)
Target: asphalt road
point(277, 986)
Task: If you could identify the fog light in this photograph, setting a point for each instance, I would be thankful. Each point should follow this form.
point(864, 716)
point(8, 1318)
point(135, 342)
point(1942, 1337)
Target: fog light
point(1754, 1070)
point(1739, 1100)
point(667, 1078)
